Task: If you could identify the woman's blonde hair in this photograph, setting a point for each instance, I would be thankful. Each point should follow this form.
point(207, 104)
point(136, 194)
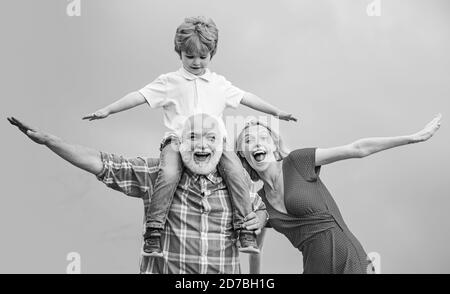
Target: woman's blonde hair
point(197, 35)
point(281, 150)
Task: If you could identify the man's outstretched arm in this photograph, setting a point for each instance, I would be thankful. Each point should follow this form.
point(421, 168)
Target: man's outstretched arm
point(82, 157)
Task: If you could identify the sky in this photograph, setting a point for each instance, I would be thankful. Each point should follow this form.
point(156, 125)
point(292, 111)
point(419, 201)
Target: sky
point(345, 74)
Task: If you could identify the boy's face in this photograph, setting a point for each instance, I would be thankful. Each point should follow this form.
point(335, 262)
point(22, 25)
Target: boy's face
point(196, 64)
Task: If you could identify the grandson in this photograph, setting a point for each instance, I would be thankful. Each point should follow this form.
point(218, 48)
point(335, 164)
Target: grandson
point(190, 90)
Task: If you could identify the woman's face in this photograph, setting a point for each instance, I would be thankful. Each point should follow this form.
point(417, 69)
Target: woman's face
point(258, 147)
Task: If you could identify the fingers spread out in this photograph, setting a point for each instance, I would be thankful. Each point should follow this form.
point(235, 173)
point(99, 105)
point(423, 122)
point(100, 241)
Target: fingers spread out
point(18, 124)
point(11, 121)
point(22, 124)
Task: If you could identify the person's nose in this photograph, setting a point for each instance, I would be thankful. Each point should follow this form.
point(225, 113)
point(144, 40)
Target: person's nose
point(196, 61)
point(200, 144)
point(204, 144)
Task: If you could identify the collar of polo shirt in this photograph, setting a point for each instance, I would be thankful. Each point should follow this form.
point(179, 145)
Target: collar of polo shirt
point(189, 76)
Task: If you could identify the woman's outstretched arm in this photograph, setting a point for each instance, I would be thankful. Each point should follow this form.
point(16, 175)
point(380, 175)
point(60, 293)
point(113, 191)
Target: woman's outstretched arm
point(365, 147)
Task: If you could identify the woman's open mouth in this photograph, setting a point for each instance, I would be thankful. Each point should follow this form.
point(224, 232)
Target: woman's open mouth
point(259, 155)
point(202, 156)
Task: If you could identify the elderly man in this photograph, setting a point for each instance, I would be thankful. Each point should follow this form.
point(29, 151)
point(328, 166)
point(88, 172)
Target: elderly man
point(199, 236)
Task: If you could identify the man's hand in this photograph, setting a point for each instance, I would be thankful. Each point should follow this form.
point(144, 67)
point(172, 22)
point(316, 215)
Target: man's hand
point(82, 157)
point(35, 135)
point(99, 114)
point(254, 222)
point(286, 116)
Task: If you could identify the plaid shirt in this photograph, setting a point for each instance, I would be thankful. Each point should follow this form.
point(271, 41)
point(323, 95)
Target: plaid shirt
point(198, 236)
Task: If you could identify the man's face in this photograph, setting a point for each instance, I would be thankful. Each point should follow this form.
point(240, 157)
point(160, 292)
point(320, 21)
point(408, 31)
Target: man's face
point(201, 144)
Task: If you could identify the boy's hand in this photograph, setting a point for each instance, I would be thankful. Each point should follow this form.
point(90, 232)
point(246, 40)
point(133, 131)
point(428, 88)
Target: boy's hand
point(99, 114)
point(286, 116)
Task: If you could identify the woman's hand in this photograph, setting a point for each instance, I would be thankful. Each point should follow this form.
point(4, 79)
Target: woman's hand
point(428, 131)
point(99, 114)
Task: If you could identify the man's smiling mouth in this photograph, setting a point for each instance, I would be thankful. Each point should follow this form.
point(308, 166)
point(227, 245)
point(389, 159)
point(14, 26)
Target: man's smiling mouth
point(202, 156)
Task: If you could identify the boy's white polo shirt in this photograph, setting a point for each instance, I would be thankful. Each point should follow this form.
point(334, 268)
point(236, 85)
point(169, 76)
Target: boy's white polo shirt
point(181, 94)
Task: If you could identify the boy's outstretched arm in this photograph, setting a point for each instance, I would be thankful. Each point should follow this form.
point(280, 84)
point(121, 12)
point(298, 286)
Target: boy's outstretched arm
point(130, 100)
point(256, 103)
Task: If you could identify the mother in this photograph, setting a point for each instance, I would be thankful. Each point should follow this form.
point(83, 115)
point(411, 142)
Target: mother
point(299, 204)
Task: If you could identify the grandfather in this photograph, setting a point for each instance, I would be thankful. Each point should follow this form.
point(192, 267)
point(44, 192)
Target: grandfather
point(199, 236)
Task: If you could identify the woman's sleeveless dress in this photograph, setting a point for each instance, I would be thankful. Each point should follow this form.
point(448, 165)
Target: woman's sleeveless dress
point(313, 223)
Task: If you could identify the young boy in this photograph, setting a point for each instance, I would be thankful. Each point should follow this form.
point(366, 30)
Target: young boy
point(190, 90)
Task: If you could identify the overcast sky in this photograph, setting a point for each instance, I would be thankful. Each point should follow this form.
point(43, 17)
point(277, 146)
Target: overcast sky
point(344, 74)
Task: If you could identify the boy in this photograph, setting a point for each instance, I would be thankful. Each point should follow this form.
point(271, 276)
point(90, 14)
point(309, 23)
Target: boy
point(190, 90)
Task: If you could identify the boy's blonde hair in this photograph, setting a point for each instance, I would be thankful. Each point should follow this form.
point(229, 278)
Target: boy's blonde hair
point(197, 35)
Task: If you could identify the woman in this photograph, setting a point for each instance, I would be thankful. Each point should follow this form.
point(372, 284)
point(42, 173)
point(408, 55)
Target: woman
point(299, 204)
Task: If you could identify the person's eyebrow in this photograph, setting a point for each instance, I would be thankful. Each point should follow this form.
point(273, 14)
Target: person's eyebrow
point(211, 134)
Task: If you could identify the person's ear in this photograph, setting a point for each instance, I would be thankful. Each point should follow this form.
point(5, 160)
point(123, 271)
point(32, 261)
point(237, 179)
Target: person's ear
point(277, 155)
